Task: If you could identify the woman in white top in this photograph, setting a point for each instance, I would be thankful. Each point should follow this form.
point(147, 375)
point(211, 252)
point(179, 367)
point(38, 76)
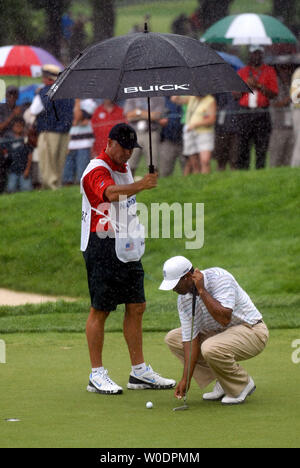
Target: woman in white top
point(198, 132)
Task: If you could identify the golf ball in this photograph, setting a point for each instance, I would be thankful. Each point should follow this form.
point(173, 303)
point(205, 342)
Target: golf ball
point(149, 404)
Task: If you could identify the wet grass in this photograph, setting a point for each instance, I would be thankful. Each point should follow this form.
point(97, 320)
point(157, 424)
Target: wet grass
point(44, 380)
point(161, 315)
point(251, 229)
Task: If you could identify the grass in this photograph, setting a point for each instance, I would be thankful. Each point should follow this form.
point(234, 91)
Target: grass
point(43, 385)
point(251, 228)
point(162, 15)
point(161, 315)
point(250, 6)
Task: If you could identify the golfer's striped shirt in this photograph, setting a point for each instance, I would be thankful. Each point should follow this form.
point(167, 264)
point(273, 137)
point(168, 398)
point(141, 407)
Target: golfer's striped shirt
point(222, 286)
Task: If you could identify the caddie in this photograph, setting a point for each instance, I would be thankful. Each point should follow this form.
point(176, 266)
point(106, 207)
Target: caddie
point(112, 243)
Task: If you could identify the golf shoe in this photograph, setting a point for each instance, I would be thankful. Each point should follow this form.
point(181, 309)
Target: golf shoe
point(216, 395)
point(248, 390)
point(149, 379)
point(102, 383)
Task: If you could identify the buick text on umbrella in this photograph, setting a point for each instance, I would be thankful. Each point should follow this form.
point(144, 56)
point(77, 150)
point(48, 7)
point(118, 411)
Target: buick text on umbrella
point(152, 88)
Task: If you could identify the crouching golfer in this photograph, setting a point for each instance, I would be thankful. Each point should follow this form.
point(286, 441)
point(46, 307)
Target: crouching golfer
point(228, 328)
point(112, 243)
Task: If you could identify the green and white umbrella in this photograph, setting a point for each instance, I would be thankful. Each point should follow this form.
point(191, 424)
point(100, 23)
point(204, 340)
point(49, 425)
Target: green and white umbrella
point(249, 28)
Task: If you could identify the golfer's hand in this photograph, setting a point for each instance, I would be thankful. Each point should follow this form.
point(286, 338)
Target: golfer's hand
point(149, 181)
point(180, 389)
point(198, 279)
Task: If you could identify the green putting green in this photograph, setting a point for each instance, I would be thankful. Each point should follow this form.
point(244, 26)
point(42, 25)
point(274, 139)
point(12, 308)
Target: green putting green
point(43, 384)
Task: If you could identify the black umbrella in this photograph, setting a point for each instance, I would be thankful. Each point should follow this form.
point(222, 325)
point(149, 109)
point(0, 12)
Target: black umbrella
point(145, 65)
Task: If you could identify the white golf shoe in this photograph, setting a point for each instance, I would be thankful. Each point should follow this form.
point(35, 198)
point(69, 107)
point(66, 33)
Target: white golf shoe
point(102, 383)
point(248, 390)
point(216, 395)
point(149, 379)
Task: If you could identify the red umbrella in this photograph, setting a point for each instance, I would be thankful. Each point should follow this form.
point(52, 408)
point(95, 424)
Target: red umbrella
point(25, 60)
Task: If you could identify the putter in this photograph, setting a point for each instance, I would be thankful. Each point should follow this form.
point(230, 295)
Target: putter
point(185, 406)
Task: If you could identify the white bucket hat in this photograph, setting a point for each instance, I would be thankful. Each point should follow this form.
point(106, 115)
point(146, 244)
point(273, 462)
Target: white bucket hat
point(173, 270)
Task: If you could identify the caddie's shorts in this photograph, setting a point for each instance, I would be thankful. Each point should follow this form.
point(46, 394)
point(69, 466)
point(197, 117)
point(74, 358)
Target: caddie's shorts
point(111, 282)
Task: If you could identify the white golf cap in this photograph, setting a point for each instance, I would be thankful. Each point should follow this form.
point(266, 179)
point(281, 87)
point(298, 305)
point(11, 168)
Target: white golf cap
point(255, 48)
point(174, 269)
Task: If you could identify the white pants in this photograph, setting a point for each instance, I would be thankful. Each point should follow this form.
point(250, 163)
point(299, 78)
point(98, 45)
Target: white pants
point(219, 355)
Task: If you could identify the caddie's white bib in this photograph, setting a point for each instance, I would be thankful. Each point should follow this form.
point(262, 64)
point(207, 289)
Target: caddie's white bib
point(129, 233)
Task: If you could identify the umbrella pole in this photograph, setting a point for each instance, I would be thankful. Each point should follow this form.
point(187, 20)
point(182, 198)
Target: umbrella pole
point(151, 167)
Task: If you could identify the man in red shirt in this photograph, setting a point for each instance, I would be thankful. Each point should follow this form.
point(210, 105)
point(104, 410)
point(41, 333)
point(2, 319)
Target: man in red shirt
point(115, 272)
point(104, 118)
point(254, 119)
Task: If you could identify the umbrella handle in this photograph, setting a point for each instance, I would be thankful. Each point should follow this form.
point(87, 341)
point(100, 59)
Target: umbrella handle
point(151, 167)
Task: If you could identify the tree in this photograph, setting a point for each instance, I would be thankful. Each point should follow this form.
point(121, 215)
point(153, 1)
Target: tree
point(54, 9)
point(288, 11)
point(211, 11)
point(103, 19)
point(16, 17)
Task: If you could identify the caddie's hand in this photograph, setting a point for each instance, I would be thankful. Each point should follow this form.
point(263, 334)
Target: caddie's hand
point(198, 279)
point(180, 389)
point(149, 181)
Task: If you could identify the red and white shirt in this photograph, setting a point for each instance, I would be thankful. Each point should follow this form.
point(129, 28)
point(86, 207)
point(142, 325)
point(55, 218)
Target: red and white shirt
point(266, 76)
point(96, 182)
point(119, 218)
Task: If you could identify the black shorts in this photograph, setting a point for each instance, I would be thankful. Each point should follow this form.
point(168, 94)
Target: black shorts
point(111, 282)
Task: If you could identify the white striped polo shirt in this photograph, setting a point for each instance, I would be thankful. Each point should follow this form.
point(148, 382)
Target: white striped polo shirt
point(223, 287)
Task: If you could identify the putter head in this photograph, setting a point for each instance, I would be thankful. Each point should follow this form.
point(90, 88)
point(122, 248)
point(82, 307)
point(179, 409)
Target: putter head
point(181, 408)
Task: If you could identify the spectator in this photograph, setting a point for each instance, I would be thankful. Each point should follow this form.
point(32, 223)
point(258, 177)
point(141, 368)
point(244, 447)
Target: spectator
point(295, 96)
point(136, 113)
point(254, 121)
point(19, 159)
point(78, 38)
point(183, 26)
point(171, 139)
point(30, 121)
point(106, 116)
point(282, 137)
point(53, 123)
point(67, 24)
point(227, 137)
point(198, 132)
point(35, 171)
point(3, 164)
point(9, 110)
point(81, 141)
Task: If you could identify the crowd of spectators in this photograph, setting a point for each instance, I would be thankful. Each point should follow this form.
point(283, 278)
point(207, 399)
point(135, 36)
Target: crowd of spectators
point(46, 145)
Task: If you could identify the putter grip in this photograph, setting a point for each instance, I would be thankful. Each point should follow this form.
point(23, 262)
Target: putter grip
point(194, 300)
